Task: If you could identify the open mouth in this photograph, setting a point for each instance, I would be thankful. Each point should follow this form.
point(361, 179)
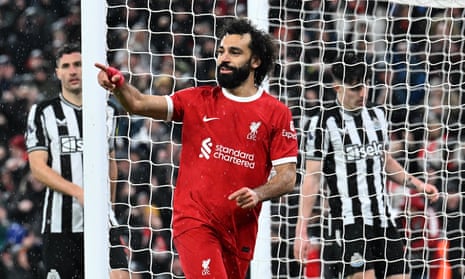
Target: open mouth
point(225, 70)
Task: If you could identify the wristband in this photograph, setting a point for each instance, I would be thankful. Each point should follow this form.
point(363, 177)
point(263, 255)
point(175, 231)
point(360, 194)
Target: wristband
point(112, 72)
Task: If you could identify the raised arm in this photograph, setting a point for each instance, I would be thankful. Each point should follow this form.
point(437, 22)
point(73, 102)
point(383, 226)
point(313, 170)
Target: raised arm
point(130, 97)
point(308, 194)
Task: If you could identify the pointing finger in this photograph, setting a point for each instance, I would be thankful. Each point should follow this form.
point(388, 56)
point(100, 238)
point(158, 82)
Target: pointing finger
point(101, 66)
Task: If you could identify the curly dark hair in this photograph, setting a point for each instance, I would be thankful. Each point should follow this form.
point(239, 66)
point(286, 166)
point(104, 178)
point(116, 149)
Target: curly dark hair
point(351, 68)
point(67, 49)
point(261, 44)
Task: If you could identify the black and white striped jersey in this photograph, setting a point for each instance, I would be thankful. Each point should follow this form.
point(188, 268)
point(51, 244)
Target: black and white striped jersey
point(351, 146)
point(55, 126)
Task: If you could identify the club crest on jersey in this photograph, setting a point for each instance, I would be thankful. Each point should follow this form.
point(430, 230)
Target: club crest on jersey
point(206, 267)
point(252, 135)
point(377, 125)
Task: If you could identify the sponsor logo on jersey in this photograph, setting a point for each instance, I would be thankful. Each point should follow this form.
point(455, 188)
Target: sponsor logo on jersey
point(289, 134)
point(208, 119)
point(70, 144)
point(356, 152)
point(206, 148)
point(227, 154)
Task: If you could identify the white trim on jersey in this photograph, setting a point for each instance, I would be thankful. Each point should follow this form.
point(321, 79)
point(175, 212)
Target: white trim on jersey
point(235, 98)
point(169, 109)
point(284, 160)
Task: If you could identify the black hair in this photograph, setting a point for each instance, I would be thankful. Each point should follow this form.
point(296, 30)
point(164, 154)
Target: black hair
point(262, 45)
point(351, 68)
point(67, 49)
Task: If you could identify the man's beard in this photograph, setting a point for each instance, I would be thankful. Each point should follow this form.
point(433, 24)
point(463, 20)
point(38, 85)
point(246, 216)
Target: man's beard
point(235, 78)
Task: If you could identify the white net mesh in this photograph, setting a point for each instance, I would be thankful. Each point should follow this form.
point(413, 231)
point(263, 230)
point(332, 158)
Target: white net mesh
point(417, 58)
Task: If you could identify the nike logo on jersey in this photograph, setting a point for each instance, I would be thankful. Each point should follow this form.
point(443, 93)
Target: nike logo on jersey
point(207, 119)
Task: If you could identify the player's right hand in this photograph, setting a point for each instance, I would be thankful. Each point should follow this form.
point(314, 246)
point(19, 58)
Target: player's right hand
point(301, 245)
point(109, 78)
point(80, 197)
point(245, 198)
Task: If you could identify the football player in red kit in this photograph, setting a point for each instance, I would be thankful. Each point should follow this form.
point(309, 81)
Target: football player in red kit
point(233, 135)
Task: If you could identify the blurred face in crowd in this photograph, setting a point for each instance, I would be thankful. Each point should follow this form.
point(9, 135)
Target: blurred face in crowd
point(235, 61)
point(352, 97)
point(69, 72)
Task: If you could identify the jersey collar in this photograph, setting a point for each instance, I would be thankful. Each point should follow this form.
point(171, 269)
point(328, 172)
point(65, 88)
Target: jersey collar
point(62, 98)
point(233, 97)
point(350, 112)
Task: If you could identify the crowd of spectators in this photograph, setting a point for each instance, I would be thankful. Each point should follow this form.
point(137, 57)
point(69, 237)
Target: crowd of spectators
point(417, 76)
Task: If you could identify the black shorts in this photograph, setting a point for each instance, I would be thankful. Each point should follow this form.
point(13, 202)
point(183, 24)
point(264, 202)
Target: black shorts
point(332, 262)
point(118, 258)
point(368, 247)
point(65, 253)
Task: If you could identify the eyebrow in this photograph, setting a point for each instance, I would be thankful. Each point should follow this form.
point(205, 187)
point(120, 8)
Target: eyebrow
point(231, 48)
point(357, 86)
point(71, 63)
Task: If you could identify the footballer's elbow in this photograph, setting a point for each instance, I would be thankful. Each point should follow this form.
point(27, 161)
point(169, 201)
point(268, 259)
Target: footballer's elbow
point(289, 177)
point(291, 184)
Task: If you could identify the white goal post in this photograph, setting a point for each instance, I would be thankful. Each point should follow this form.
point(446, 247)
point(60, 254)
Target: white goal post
point(96, 199)
point(417, 50)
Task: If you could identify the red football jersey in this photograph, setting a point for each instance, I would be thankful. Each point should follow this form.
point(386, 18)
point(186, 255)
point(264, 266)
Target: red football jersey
point(228, 142)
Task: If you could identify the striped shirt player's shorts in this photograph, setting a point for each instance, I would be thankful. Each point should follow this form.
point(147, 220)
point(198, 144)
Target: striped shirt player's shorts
point(370, 247)
point(64, 253)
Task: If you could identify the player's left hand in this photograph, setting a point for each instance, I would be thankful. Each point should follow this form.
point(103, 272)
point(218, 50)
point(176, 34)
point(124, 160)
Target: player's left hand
point(431, 192)
point(245, 198)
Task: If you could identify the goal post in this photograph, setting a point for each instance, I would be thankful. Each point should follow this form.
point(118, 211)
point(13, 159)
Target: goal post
point(416, 52)
point(96, 191)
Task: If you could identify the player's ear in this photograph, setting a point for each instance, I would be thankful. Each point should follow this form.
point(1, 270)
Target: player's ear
point(57, 73)
point(337, 87)
point(255, 62)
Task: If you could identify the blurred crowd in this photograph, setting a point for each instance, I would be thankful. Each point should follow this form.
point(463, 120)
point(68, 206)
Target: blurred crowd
point(416, 54)
point(418, 66)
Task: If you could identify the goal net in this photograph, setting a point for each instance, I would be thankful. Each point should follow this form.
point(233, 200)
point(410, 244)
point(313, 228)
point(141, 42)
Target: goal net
point(417, 57)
